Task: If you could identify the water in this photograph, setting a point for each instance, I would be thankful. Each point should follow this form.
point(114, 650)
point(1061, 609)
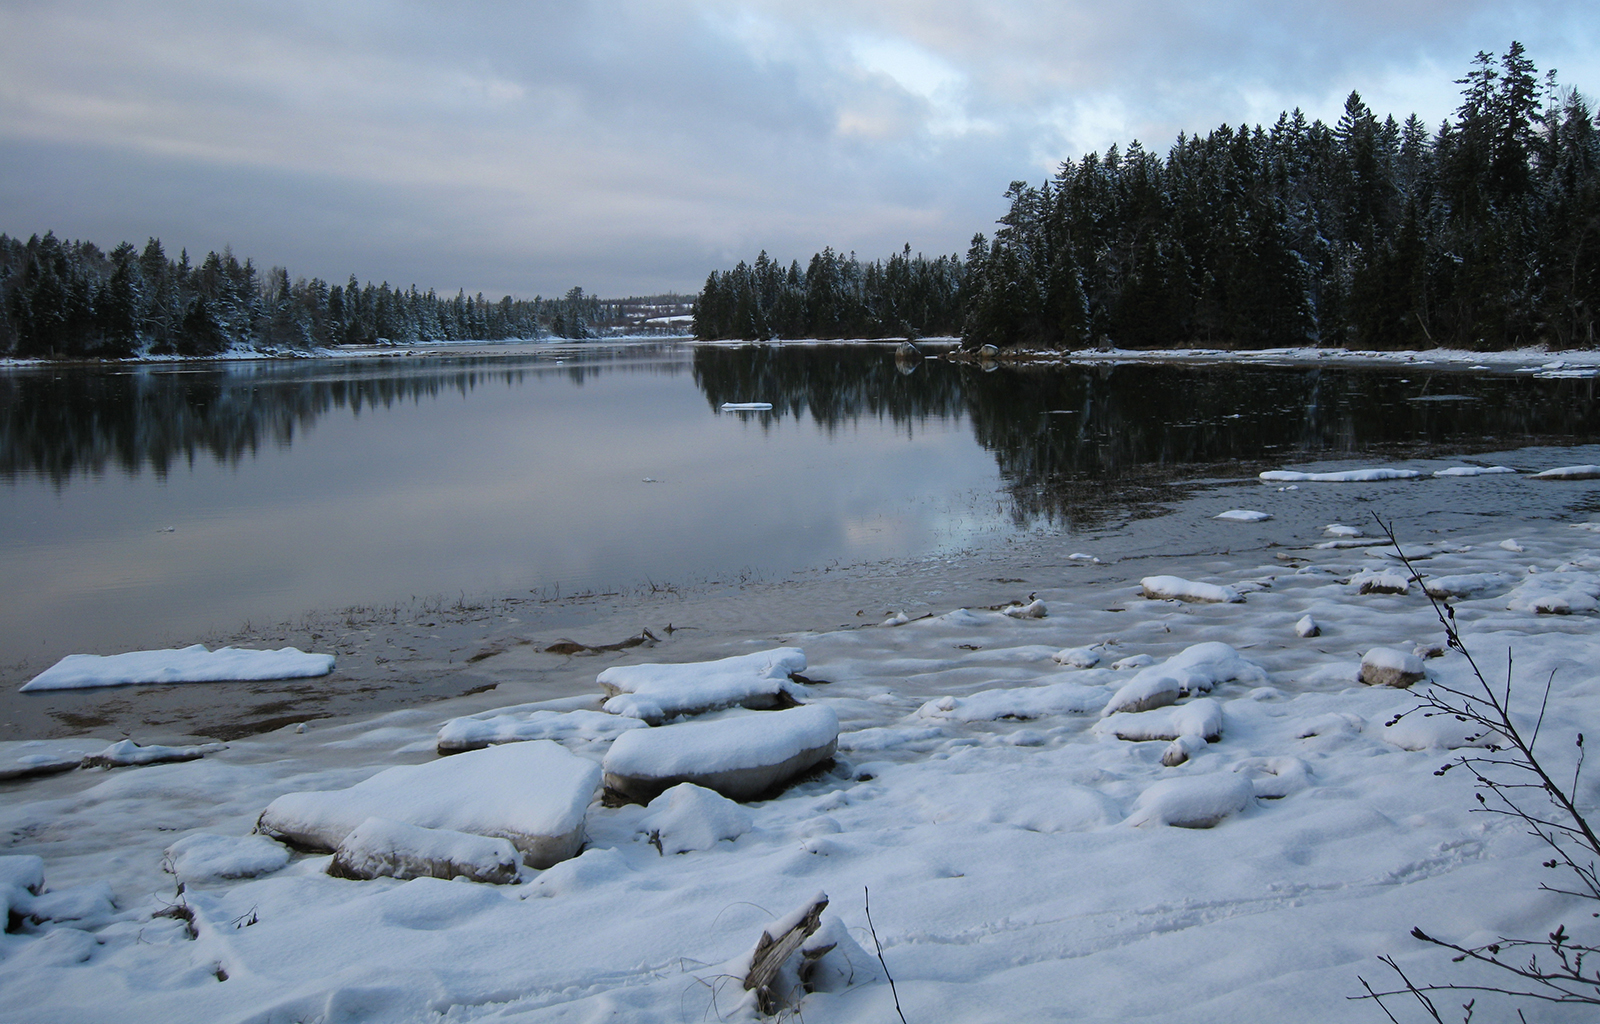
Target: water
point(163, 505)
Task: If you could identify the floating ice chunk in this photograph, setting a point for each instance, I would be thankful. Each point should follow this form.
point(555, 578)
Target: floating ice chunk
point(192, 664)
point(1170, 588)
point(746, 406)
point(1079, 556)
point(1473, 471)
point(1307, 627)
point(535, 794)
point(478, 731)
point(1569, 473)
point(1385, 581)
point(1385, 666)
point(1077, 657)
point(125, 753)
point(1510, 544)
point(1557, 593)
point(1417, 731)
point(1197, 801)
point(1025, 702)
point(1243, 515)
point(742, 756)
point(1194, 670)
point(1348, 476)
point(1465, 585)
point(689, 817)
point(1201, 718)
point(657, 692)
point(203, 858)
point(380, 848)
point(1034, 609)
point(1340, 530)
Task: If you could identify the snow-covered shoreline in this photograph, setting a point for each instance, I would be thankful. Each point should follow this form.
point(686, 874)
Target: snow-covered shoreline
point(1016, 866)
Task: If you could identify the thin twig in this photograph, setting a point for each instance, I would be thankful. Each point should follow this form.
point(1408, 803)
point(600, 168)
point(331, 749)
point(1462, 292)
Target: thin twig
point(867, 898)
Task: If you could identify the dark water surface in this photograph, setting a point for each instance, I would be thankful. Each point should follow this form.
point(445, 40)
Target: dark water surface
point(163, 504)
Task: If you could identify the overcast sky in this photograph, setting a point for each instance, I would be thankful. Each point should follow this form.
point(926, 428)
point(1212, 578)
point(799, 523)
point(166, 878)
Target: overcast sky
point(631, 147)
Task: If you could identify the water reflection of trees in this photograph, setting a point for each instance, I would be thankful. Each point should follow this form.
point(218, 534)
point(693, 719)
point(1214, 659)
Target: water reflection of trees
point(1080, 444)
point(57, 423)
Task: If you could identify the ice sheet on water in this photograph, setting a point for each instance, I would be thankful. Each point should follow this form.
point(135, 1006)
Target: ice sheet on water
point(193, 664)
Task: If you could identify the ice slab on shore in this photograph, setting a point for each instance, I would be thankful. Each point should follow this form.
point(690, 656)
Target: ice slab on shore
point(535, 794)
point(380, 848)
point(193, 664)
point(658, 692)
point(741, 756)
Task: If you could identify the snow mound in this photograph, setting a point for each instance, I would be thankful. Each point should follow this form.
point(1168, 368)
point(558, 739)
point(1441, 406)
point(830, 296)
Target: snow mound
point(1243, 515)
point(1473, 471)
point(205, 858)
point(1465, 585)
point(689, 817)
point(1557, 593)
point(26, 759)
point(380, 848)
point(1176, 588)
point(1348, 476)
point(1202, 718)
point(1274, 778)
point(478, 731)
point(535, 794)
point(1307, 627)
point(592, 869)
point(1569, 473)
point(1420, 731)
point(1196, 801)
point(1384, 581)
point(1021, 702)
point(192, 664)
point(741, 756)
point(1034, 609)
point(1384, 666)
point(1193, 670)
point(126, 753)
point(656, 693)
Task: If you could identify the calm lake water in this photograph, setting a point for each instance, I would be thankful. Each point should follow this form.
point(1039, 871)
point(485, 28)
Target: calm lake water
point(155, 505)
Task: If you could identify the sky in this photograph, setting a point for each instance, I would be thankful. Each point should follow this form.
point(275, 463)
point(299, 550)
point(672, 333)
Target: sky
point(631, 147)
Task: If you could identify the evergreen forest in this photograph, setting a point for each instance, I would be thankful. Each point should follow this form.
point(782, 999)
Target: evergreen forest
point(72, 300)
point(1374, 234)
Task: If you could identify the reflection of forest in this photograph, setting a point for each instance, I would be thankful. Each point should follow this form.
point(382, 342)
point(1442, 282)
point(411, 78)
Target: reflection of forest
point(1077, 443)
point(57, 423)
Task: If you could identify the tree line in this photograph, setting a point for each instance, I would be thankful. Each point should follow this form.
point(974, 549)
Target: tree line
point(833, 297)
point(70, 299)
point(1482, 234)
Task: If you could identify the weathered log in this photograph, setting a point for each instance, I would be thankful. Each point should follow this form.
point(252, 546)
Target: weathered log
point(772, 951)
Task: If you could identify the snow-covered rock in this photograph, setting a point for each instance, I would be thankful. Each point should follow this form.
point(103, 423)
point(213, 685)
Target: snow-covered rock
point(536, 794)
point(1077, 657)
point(1176, 588)
point(1465, 584)
point(1556, 593)
point(478, 731)
point(1384, 581)
point(1384, 666)
point(1034, 609)
point(1195, 801)
point(1194, 670)
point(1307, 627)
point(689, 817)
point(193, 664)
point(740, 756)
point(656, 693)
point(204, 858)
point(380, 848)
point(1202, 718)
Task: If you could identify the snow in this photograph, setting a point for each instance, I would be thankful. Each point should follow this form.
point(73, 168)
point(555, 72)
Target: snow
point(1472, 471)
point(742, 755)
point(746, 406)
point(474, 732)
point(1196, 669)
point(655, 693)
point(1176, 588)
point(1018, 867)
point(1341, 530)
point(1243, 515)
point(1306, 627)
point(193, 664)
point(535, 794)
point(1345, 476)
point(1384, 666)
point(124, 753)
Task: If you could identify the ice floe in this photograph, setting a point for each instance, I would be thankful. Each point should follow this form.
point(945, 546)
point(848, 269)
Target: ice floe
point(740, 756)
point(1345, 476)
point(1176, 588)
point(193, 664)
point(1243, 515)
point(655, 693)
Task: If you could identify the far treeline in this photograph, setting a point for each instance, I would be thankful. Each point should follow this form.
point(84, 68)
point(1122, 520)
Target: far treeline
point(73, 300)
point(1484, 234)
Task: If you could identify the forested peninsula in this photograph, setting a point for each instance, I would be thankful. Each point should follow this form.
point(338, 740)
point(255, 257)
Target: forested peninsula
point(62, 299)
point(1483, 234)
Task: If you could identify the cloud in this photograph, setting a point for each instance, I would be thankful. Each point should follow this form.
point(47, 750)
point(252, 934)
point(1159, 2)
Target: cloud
point(632, 146)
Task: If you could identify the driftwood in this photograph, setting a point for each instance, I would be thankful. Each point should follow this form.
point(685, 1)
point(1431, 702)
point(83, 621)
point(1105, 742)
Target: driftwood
point(771, 953)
